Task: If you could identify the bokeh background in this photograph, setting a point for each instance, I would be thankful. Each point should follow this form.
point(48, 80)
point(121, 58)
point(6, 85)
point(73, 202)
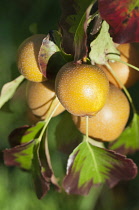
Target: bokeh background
point(18, 20)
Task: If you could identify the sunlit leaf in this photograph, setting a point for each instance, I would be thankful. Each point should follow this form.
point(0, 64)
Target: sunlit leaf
point(102, 48)
point(22, 143)
point(74, 22)
point(128, 142)
point(9, 89)
point(25, 134)
point(123, 18)
point(89, 165)
point(94, 142)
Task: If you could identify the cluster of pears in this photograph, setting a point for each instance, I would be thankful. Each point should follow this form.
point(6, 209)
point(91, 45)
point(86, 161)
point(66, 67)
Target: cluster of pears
point(81, 89)
point(40, 92)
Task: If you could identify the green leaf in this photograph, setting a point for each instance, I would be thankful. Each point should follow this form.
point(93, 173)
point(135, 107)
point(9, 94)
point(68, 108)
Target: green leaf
point(74, 22)
point(57, 38)
point(94, 142)
point(25, 134)
point(63, 137)
point(89, 165)
point(102, 48)
point(32, 132)
point(47, 49)
point(128, 142)
point(20, 155)
point(51, 56)
point(42, 170)
point(41, 185)
point(9, 89)
point(66, 134)
point(80, 40)
point(22, 141)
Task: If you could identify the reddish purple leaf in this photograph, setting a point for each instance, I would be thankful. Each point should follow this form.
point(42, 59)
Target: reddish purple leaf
point(127, 170)
point(45, 162)
point(71, 182)
point(42, 170)
point(128, 142)
point(122, 149)
point(16, 135)
point(51, 57)
point(41, 184)
point(20, 155)
point(47, 50)
point(24, 134)
point(123, 18)
point(89, 166)
point(22, 141)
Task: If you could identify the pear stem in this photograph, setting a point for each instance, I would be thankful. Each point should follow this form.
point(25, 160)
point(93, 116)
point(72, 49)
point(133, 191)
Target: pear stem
point(128, 64)
point(49, 115)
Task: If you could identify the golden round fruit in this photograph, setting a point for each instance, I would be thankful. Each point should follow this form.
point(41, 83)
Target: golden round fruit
point(82, 89)
point(40, 97)
point(127, 75)
point(27, 58)
point(109, 122)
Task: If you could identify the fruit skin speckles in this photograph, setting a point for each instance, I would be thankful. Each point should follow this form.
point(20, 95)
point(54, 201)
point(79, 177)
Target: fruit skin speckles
point(81, 88)
point(27, 58)
point(109, 122)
